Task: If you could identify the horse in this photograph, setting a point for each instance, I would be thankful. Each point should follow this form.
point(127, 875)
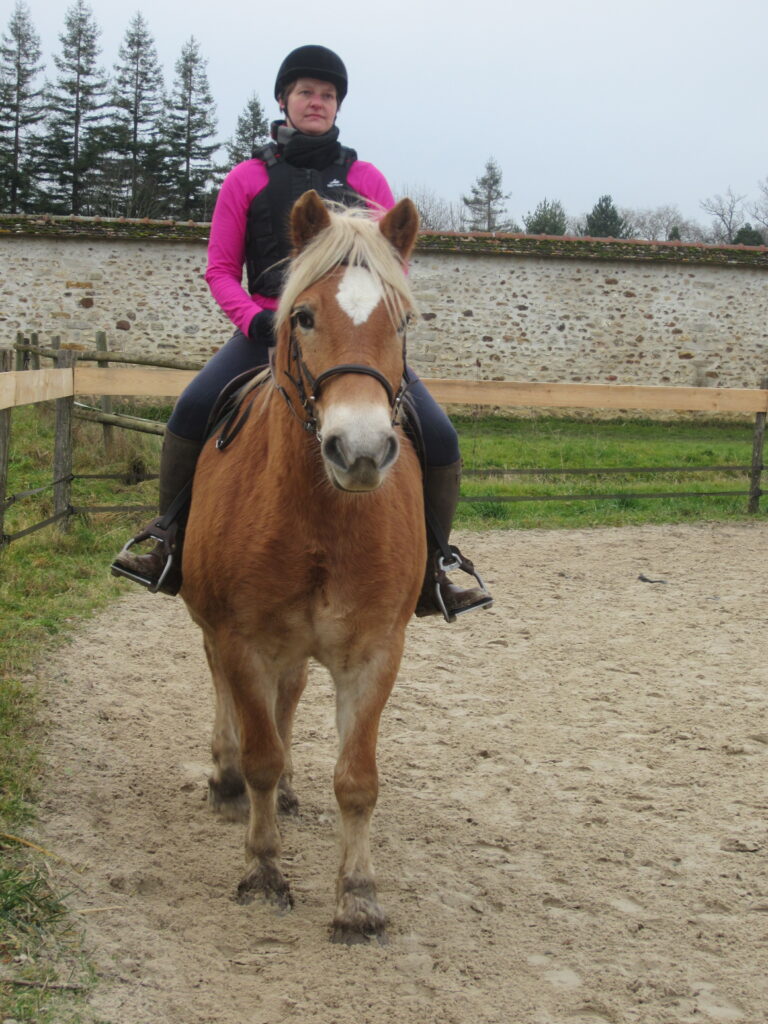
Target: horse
point(306, 540)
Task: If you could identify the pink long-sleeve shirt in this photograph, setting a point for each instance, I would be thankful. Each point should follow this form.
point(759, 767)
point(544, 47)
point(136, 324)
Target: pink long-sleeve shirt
point(226, 245)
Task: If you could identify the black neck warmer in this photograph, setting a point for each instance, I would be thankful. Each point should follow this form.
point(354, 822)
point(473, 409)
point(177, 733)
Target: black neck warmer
point(314, 151)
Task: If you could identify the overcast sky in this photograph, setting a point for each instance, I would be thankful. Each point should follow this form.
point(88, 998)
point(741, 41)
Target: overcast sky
point(653, 101)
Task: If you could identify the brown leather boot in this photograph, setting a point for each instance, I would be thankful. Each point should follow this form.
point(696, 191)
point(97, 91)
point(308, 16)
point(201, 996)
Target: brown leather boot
point(439, 595)
point(160, 568)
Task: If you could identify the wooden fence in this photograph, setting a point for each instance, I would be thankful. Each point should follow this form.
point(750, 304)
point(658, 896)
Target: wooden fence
point(167, 378)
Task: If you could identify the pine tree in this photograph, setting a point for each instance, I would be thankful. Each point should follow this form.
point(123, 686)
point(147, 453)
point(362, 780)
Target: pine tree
point(191, 124)
point(135, 133)
point(21, 108)
point(547, 219)
point(487, 202)
point(747, 235)
point(605, 221)
point(75, 137)
point(252, 131)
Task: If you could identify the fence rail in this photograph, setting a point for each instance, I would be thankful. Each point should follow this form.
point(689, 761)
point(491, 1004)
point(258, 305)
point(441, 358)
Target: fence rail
point(71, 377)
point(29, 386)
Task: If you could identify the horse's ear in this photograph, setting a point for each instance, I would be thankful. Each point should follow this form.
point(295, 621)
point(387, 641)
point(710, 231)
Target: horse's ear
point(308, 218)
point(400, 226)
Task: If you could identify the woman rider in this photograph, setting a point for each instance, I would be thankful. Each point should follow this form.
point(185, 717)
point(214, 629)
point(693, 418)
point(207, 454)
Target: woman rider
point(249, 227)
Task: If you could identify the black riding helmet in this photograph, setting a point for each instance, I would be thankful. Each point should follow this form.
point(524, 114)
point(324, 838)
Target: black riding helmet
point(312, 62)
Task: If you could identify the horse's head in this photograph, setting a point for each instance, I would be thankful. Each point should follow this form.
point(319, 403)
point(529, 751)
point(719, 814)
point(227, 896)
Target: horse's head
point(341, 329)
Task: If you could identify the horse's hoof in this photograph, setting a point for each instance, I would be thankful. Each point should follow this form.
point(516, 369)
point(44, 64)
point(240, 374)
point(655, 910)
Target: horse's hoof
point(229, 799)
point(359, 918)
point(269, 883)
point(344, 936)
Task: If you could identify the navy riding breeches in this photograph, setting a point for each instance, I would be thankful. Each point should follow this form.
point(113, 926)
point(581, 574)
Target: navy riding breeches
point(190, 415)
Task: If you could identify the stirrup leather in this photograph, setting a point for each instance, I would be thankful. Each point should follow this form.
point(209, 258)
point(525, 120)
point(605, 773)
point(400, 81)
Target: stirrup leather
point(446, 565)
point(166, 537)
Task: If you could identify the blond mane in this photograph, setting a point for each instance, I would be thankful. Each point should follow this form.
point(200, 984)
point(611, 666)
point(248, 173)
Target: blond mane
point(353, 239)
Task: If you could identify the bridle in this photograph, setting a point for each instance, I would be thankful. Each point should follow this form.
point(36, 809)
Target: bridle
point(308, 387)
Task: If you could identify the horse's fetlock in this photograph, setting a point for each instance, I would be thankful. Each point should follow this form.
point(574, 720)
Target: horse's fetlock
point(358, 882)
point(265, 879)
point(227, 796)
point(228, 785)
point(287, 801)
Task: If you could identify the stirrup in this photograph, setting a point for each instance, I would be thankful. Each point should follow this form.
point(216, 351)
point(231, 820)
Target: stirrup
point(446, 565)
point(165, 536)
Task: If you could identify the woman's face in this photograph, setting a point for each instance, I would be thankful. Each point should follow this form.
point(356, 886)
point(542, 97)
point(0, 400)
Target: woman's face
point(311, 106)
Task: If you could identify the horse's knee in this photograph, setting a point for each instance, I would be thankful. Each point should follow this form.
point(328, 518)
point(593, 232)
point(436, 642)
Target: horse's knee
point(263, 766)
point(356, 788)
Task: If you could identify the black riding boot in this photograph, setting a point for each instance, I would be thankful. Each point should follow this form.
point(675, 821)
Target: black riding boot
point(439, 596)
point(160, 568)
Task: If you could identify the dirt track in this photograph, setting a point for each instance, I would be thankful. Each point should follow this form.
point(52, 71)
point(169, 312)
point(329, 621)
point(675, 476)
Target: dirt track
point(572, 825)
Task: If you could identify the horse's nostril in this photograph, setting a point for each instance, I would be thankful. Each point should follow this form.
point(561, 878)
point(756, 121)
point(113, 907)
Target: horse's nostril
point(391, 452)
point(333, 451)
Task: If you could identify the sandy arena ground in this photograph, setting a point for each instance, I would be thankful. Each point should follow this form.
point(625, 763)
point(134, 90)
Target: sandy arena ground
point(572, 826)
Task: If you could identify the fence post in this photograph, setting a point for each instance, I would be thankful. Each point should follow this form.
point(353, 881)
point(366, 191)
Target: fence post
point(108, 431)
point(21, 357)
point(62, 453)
point(758, 437)
point(6, 363)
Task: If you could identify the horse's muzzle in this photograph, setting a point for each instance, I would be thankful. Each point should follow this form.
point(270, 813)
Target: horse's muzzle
point(355, 464)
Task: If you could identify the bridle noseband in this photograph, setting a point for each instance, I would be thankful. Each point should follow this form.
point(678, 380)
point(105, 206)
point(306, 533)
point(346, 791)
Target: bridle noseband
point(308, 387)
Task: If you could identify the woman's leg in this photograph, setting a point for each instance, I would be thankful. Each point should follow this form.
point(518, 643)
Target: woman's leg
point(442, 479)
point(441, 442)
point(190, 414)
point(183, 441)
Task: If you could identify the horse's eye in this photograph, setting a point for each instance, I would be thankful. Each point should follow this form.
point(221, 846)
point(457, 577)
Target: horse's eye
point(404, 323)
point(303, 318)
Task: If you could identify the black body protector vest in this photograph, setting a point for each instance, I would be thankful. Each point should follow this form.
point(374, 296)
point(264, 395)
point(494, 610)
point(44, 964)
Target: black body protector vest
point(267, 238)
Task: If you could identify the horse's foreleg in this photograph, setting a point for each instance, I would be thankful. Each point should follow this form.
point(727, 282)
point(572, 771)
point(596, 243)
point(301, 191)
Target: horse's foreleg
point(360, 700)
point(253, 695)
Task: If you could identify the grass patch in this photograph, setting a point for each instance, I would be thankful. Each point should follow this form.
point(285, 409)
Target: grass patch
point(44, 975)
point(605, 499)
point(49, 582)
point(28, 909)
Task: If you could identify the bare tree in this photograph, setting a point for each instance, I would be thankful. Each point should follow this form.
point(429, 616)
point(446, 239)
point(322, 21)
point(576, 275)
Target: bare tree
point(759, 210)
point(728, 214)
point(435, 213)
point(664, 223)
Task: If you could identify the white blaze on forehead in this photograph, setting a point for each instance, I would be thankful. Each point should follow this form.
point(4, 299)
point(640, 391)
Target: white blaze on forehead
point(359, 294)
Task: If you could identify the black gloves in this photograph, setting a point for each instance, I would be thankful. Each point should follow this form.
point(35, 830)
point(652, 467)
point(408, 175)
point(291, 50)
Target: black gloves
point(260, 329)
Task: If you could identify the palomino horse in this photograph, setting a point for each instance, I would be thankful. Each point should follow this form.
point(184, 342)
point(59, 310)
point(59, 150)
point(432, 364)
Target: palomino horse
point(306, 540)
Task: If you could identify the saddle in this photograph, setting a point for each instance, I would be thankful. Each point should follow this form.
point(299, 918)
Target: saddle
point(227, 412)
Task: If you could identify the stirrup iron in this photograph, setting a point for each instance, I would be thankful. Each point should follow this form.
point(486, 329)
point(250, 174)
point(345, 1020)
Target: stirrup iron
point(165, 537)
point(456, 561)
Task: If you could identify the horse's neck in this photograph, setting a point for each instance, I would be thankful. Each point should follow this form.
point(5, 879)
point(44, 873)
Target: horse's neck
point(289, 451)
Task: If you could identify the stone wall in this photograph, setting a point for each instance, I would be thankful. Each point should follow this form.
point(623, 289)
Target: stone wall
point(519, 318)
point(511, 307)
